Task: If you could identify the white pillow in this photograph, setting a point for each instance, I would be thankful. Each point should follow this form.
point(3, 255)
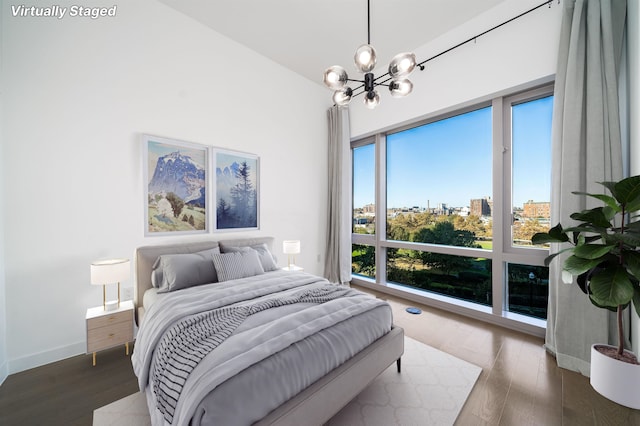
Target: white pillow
point(235, 265)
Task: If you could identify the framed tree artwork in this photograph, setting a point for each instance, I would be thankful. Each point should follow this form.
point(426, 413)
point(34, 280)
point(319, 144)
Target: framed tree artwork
point(236, 190)
point(176, 177)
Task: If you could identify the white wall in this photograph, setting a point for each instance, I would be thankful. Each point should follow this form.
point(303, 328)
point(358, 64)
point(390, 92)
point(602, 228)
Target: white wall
point(520, 52)
point(77, 94)
point(3, 305)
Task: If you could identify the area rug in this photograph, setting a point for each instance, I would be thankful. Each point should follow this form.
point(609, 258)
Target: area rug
point(431, 390)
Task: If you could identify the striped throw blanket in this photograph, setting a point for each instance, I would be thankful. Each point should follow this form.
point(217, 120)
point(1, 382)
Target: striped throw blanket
point(188, 341)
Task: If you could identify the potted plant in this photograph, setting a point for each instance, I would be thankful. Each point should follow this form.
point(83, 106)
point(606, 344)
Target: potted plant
point(603, 248)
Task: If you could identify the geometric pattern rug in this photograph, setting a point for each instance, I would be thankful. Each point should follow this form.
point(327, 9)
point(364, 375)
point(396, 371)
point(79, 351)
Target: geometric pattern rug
point(431, 390)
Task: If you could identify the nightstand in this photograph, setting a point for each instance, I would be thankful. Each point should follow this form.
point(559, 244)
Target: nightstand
point(106, 329)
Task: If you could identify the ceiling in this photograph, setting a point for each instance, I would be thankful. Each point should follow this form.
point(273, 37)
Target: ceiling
point(307, 36)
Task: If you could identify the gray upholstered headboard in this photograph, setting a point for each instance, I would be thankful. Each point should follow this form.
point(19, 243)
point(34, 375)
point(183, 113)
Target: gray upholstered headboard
point(146, 256)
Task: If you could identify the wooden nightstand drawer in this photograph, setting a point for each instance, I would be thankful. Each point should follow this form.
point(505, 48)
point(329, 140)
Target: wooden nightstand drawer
point(108, 319)
point(106, 329)
point(105, 337)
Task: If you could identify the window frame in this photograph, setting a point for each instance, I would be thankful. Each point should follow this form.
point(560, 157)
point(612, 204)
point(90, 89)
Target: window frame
point(502, 253)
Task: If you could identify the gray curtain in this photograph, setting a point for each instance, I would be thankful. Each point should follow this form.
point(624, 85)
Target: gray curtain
point(337, 266)
point(586, 149)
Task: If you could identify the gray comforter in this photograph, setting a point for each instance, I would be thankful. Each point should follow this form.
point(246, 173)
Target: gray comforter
point(289, 346)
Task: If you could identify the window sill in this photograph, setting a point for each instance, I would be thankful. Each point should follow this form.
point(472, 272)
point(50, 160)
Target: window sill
point(510, 320)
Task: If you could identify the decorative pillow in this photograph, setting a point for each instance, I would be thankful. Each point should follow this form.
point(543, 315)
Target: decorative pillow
point(266, 258)
point(180, 271)
point(240, 264)
point(156, 273)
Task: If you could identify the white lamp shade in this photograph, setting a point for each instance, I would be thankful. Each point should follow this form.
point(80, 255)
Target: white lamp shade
point(110, 271)
point(291, 246)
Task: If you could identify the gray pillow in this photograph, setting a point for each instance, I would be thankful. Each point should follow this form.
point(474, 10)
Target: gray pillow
point(266, 258)
point(180, 271)
point(156, 273)
point(235, 265)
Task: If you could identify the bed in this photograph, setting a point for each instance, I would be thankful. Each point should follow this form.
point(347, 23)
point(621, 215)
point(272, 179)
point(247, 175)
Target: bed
point(277, 347)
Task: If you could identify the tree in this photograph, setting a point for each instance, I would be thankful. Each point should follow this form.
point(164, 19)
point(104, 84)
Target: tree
point(526, 229)
point(223, 214)
point(365, 259)
point(444, 233)
point(243, 196)
point(176, 203)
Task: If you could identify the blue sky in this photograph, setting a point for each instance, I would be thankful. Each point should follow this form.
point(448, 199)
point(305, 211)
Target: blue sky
point(450, 161)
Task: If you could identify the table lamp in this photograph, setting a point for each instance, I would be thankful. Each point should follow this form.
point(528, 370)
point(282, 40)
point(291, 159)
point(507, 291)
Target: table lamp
point(110, 271)
point(291, 248)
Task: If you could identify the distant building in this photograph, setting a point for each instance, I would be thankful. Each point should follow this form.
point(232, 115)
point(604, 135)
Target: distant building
point(533, 210)
point(369, 208)
point(481, 206)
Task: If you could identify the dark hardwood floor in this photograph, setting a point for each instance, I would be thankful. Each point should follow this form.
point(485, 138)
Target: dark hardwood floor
point(520, 383)
point(66, 392)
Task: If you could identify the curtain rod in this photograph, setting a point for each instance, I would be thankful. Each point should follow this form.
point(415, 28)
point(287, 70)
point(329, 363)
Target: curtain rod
point(421, 64)
point(548, 2)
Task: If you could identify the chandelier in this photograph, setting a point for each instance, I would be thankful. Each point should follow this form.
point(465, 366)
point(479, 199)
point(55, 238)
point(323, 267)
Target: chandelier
point(400, 67)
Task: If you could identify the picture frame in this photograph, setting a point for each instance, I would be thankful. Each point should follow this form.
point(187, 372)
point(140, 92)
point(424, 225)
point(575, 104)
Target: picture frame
point(236, 190)
point(176, 178)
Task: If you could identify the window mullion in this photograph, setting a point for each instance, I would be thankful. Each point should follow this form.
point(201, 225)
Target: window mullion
point(500, 151)
point(381, 209)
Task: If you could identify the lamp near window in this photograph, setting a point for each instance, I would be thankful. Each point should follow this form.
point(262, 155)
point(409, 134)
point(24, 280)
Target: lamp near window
point(110, 271)
point(291, 248)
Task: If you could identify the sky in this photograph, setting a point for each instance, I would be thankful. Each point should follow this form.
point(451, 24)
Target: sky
point(450, 161)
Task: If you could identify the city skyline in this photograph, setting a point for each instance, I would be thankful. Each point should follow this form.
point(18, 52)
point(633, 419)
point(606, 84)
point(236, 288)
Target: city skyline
point(467, 138)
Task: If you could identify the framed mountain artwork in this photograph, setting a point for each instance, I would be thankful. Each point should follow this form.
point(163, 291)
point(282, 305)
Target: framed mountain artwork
point(236, 189)
point(176, 177)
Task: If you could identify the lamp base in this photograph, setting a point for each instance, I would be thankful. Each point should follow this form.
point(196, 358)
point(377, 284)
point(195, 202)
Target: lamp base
point(111, 305)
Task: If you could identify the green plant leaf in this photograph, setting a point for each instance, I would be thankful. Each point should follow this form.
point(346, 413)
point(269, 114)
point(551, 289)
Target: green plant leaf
point(607, 199)
point(610, 308)
point(592, 251)
point(631, 239)
point(611, 287)
point(548, 259)
point(543, 238)
point(627, 191)
point(595, 217)
point(632, 261)
point(576, 265)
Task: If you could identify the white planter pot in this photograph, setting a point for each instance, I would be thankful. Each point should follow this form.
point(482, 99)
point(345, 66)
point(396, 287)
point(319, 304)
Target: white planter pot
point(615, 380)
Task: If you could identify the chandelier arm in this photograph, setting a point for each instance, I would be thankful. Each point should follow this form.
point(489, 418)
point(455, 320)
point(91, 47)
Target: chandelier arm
point(382, 83)
point(359, 93)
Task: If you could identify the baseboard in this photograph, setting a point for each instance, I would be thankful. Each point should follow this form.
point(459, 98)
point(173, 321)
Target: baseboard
point(4, 372)
point(36, 360)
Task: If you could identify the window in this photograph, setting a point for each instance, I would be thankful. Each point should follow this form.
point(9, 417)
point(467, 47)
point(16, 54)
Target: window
point(531, 175)
point(463, 194)
point(364, 189)
point(435, 175)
